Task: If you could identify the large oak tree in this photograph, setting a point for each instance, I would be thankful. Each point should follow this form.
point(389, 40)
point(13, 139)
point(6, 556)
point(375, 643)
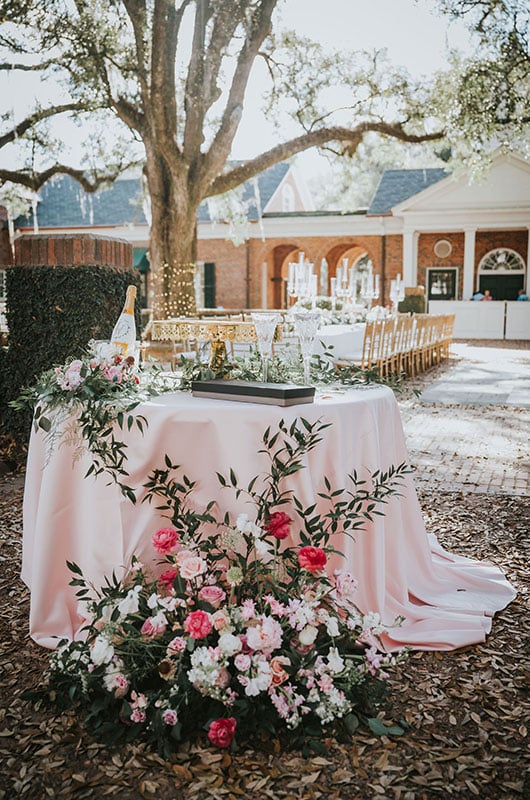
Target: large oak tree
point(174, 74)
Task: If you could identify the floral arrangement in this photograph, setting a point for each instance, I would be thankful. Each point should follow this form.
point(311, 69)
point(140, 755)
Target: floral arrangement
point(83, 400)
point(334, 313)
point(243, 630)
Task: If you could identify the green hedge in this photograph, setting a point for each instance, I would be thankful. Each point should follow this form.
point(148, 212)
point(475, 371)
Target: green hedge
point(52, 312)
point(414, 303)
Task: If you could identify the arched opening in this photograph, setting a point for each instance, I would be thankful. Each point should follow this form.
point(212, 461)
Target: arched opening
point(355, 255)
point(282, 255)
point(502, 271)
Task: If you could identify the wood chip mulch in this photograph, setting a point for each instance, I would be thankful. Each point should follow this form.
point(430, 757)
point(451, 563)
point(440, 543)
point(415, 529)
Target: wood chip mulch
point(468, 710)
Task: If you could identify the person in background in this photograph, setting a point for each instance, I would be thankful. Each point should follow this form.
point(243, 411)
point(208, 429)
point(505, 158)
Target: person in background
point(478, 296)
point(487, 295)
point(521, 295)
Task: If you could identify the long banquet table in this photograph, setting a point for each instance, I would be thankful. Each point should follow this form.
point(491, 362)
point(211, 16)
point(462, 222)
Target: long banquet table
point(447, 600)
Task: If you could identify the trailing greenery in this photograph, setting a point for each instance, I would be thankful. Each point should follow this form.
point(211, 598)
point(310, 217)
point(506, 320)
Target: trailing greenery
point(52, 313)
point(243, 630)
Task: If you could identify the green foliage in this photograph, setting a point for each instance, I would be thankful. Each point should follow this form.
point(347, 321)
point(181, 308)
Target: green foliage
point(52, 313)
point(414, 303)
point(244, 626)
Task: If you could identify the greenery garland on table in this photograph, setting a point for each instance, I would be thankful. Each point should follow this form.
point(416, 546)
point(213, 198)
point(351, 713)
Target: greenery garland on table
point(86, 401)
point(243, 633)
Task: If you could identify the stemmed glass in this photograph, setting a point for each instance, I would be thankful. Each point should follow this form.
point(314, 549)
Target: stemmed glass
point(265, 323)
point(306, 325)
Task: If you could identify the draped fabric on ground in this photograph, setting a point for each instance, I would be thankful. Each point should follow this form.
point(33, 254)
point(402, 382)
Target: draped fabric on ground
point(447, 600)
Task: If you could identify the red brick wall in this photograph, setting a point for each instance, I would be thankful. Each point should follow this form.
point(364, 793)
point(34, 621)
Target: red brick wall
point(230, 270)
point(72, 250)
point(428, 258)
point(491, 240)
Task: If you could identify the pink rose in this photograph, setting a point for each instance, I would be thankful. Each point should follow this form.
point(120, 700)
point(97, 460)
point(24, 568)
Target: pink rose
point(221, 731)
point(168, 577)
point(313, 559)
point(154, 626)
point(166, 540)
point(278, 525)
point(198, 624)
point(279, 675)
point(242, 662)
point(220, 620)
point(213, 595)
point(190, 566)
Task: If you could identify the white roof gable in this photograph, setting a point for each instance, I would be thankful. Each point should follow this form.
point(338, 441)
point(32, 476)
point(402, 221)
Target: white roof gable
point(506, 185)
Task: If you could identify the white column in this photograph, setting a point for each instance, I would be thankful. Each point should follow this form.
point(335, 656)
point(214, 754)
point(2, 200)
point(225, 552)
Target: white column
point(264, 276)
point(409, 257)
point(469, 263)
point(526, 285)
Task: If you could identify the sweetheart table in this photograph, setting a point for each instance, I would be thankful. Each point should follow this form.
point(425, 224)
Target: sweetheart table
point(447, 600)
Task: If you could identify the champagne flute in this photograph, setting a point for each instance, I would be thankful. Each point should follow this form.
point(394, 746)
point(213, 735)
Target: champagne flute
point(306, 324)
point(265, 323)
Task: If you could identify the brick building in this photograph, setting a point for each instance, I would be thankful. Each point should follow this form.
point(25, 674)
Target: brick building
point(436, 230)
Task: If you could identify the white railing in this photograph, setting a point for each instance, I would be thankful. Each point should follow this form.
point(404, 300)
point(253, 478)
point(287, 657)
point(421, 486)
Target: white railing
point(495, 319)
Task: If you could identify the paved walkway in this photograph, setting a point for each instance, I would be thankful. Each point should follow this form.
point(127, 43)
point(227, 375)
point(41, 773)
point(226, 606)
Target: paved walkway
point(470, 429)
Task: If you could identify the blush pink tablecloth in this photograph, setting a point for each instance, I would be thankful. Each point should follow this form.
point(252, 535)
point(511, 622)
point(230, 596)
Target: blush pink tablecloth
point(447, 600)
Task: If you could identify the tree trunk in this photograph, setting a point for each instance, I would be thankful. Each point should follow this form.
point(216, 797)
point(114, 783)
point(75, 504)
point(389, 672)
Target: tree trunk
point(173, 242)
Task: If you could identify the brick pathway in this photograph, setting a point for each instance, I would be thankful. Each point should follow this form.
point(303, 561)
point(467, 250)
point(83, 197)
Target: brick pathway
point(470, 429)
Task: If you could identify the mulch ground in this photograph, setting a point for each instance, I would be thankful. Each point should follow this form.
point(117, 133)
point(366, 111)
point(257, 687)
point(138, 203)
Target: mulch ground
point(468, 710)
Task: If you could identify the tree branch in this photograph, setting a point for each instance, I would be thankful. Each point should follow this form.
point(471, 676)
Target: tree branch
point(38, 116)
point(350, 137)
point(35, 180)
point(220, 147)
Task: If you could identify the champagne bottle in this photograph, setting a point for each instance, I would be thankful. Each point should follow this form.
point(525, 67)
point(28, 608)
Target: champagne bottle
point(124, 334)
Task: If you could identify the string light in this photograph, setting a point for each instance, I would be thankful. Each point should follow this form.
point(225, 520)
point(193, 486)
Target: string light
point(175, 286)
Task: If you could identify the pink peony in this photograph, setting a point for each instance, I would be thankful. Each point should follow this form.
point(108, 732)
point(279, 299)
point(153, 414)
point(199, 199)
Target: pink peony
point(166, 540)
point(221, 731)
point(198, 624)
point(278, 525)
point(265, 636)
point(313, 559)
point(213, 595)
point(345, 585)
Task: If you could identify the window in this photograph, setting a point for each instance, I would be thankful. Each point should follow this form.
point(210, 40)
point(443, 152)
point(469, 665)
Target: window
point(443, 248)
point(502, 271)
point(442, 283)
point(502, 260)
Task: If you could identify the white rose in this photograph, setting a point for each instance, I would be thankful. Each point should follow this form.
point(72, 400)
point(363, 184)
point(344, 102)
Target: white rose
point(102, 651)
point(308, 635)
